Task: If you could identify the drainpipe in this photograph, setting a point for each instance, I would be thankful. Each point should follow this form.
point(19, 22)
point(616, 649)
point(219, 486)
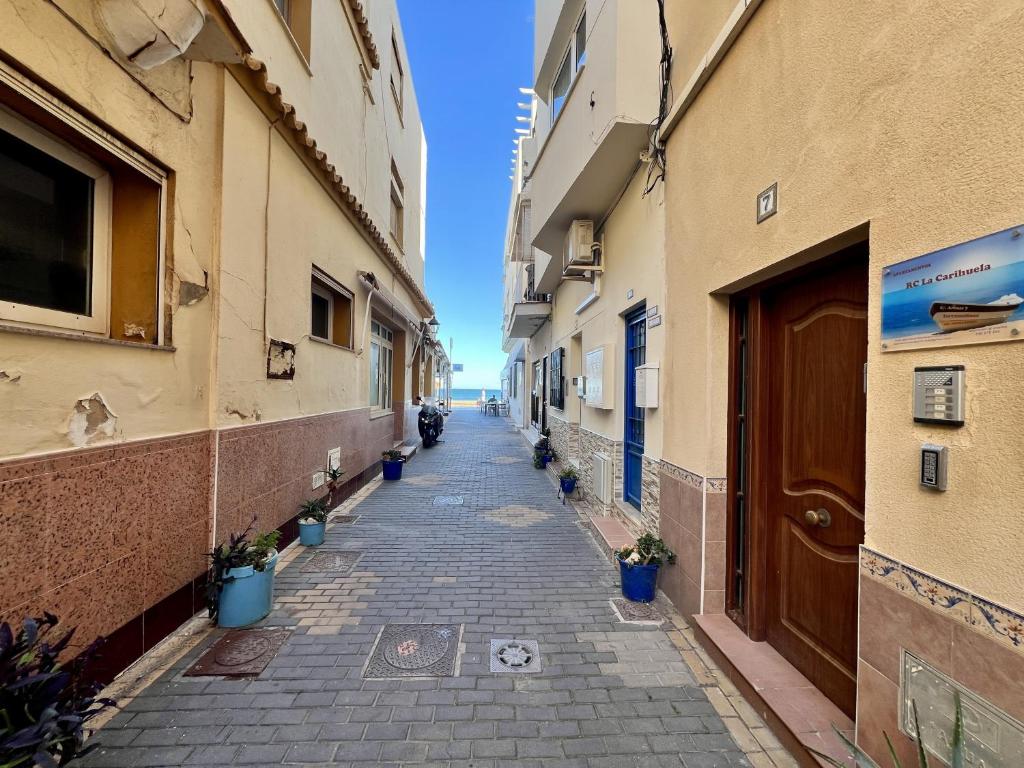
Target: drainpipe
point(371, 286)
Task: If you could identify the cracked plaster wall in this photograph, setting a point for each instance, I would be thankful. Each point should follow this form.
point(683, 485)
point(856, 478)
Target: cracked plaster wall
point(912, 123)
point(152, 392)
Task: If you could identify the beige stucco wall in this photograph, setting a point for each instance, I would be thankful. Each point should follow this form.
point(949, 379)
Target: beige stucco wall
point(911, 124)
point(360, 136)
point(272, 247)
point(152, 393)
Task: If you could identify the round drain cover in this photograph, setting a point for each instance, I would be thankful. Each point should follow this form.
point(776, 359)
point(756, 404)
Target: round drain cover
point(242, 651)
point(514, 655)
point(416, 648)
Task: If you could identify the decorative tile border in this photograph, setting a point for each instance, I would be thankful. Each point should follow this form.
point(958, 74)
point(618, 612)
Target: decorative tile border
point(985, 617)
point(715, 484)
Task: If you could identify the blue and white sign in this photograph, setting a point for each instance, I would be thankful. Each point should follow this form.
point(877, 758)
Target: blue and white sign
point(971, 293)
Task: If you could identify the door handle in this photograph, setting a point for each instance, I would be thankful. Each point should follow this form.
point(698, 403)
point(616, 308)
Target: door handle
point(819, 517)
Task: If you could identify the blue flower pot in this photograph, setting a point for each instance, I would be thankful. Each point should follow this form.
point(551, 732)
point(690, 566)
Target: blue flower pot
point(312, 534)
point(247, 595)
point(546, 458)
point(568, 484)
point(392, 469)
point(639, 582)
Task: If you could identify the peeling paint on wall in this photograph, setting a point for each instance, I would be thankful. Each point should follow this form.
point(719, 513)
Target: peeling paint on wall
point(244, 413)
point(91, 418)
point(131, 329)
point(280, 360)
point(191, 293)
point(12, 377)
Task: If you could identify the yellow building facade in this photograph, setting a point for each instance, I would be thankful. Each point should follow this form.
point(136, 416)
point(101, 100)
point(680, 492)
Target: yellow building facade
point(213, 289)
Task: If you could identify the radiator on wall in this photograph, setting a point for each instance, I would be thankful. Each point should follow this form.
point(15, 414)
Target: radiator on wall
point(603, 478)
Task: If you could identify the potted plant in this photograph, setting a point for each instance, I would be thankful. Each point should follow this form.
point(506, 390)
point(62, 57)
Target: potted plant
point(312, 522)
point(45, 706)
point(240, 585)
point(548, 456)
point(638, 566)
point(538, 461)
point(392, 461)
point(567, 478)
point(334, 475)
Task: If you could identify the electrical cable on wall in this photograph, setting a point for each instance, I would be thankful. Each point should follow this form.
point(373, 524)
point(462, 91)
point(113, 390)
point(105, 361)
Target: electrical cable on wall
point(657, 168)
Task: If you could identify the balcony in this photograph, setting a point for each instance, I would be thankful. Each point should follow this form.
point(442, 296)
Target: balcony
point(527, 317)
point(593, 146)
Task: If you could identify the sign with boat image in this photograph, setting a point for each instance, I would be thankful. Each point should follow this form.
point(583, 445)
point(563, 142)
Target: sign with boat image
point(971, 293)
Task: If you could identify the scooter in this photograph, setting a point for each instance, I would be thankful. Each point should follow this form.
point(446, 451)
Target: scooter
point(431, 424)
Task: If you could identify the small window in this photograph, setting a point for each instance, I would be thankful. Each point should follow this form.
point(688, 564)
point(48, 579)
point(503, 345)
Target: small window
point(572, 63)
point(397, 207)
point(330, 310)
point(397, 74)
point(557, 387)
point(297, 15)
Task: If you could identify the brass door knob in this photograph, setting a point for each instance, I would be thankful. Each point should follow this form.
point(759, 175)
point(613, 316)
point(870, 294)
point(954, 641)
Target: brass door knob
point(819, 517)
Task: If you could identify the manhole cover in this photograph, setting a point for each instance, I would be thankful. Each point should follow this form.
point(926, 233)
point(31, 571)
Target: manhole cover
point(332, 561)
point(636, 613)
point(447, 501)
point(414, 650)
point(240, 653)
point(344, 519)
point(515, 656)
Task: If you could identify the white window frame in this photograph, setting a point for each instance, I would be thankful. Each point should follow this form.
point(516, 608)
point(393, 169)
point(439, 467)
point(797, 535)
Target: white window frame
point(99, 275)
point(323, 293)
point(570, 58)
point(382, 338)
point(397, 204)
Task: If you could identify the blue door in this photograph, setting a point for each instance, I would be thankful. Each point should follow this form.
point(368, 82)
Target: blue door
point(633, 440)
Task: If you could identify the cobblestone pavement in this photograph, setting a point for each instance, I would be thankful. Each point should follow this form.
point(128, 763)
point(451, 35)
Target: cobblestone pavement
point(473, 538)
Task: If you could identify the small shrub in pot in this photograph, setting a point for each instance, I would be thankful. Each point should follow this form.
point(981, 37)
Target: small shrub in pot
point(312, 522)
point(240, 584)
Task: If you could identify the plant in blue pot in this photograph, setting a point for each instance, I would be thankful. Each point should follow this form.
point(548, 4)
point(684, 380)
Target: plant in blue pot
point(312, 522)
point(639, 564)
point(392, 462)
point(567, 479)
point(240, 585)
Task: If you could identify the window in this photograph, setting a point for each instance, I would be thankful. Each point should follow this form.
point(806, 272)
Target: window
point(572, 63)
point(557, 388)
point(81, 217)
point(397, 74)
point(330, 310)
point(297, 15)
point(397, 206)
point(381, 366)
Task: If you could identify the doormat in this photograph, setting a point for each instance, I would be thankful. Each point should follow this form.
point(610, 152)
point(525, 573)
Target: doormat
point(414, 650)
point(518, 656)
point(630, 612)
point(240, 653)
point(332, 561)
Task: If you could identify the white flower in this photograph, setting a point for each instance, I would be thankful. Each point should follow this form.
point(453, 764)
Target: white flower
point(633, 558)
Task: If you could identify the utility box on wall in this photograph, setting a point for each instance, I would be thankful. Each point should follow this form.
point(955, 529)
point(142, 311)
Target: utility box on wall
point(600, 378)
point(647, 385)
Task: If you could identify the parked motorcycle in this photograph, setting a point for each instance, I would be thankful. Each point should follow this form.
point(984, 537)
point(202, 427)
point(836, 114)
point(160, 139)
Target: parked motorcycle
point(431, 424)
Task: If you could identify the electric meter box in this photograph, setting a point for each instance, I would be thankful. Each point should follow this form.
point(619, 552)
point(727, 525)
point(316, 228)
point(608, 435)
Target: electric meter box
point(646, 385)
point(939, 395)
point(600, 380)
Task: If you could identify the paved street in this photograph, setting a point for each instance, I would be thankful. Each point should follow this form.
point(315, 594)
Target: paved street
point(473, 542)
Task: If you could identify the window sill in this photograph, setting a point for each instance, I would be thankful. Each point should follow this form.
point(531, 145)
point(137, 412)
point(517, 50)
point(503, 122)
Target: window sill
point(44, 333)
point(374, 415)
point(327, 343)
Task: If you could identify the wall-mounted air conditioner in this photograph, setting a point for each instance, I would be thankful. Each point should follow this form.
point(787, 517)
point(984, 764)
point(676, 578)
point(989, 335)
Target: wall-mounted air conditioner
point(579, 255)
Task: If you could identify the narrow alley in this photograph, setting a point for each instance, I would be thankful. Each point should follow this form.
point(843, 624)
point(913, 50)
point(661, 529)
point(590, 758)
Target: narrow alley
point(471, 546)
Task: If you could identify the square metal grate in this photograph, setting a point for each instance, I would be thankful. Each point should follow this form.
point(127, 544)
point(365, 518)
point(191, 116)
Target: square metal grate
point(414, 650)
point(240, 653)
point(332, 561)
point(447, 501)
point(630, 612)
point(515, 656)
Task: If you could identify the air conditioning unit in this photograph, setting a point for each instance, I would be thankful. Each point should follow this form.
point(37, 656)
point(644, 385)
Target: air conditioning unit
point(578, 257)
point(603, 478)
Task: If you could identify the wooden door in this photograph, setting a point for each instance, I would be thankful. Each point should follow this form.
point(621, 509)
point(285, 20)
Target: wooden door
point(815, 345)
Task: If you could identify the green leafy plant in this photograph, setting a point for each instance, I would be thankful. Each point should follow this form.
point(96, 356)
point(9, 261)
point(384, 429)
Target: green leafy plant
point(45, 706)
point(568, 474)
point(538, 461)
point(392, 455)
point(861, 759)
point(647, 550)
point(239, 551)
point(313, 510)
point(334, 475)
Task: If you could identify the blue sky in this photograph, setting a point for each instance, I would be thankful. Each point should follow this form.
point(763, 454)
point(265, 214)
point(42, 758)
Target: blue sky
point(468, 59)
